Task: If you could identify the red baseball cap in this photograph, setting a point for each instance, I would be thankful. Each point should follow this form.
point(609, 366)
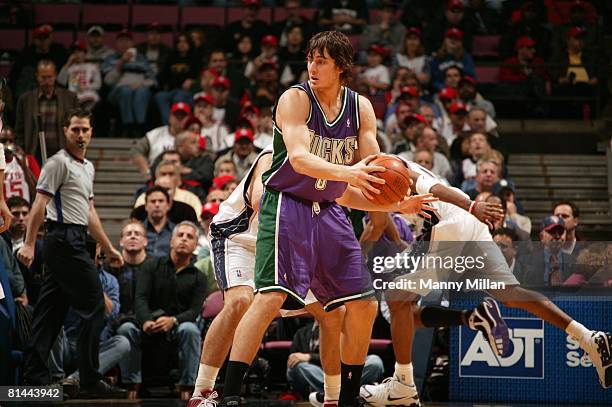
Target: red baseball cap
point(124, 33)
point(414, 31)
point(455, 4)
point(220, 181)
point(248, 3)
point(448, 93)
point(190, 121)
point(454, 33)
point(468, 79)
point(270, 40)
point(576, 32)
point(525, 42)
point(78, 45)
point(415, 117)
point(202, 97)
point(210, 208)
point(268, 64)
point(221, 81)
point(154, 26)
point(409, 91)
point(456, 107)
point(243, 133)
point(42, 31)
point(249, 107)
point(180, 107)
point(378, 49)
point(578, 4)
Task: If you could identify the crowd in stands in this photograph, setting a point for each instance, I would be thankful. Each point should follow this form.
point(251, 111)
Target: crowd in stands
point(201, 110)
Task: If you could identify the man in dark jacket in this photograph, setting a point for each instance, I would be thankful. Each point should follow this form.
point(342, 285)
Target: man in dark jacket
point(51, 103)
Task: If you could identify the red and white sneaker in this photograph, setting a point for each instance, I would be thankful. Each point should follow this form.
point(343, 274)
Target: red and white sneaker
point(206, 398)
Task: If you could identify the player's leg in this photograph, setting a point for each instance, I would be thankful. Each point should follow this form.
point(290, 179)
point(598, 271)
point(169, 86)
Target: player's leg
point(597, 344)
point(330, 328)
point(217, 342)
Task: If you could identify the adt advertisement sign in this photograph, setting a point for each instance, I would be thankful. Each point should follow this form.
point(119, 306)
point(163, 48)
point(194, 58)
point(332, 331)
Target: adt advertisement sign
point(525, 359)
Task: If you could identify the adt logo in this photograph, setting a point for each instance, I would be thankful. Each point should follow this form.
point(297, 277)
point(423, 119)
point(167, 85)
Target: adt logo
point(525, 359)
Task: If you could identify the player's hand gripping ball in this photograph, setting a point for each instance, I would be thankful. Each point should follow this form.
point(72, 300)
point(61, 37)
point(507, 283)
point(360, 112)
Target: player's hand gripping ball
point(397, 180)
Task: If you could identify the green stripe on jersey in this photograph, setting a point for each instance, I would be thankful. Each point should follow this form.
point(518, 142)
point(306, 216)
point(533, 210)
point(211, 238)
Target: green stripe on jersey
point(279, 154)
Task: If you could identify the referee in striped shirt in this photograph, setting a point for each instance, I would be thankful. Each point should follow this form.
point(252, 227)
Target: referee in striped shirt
point(65, 189)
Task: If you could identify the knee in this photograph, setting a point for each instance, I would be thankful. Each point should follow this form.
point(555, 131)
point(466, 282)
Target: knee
point(362, 309)
point(238, 304)
point(331, 319)
point(128, 330)
point(188, 330)
point(122, 345)
point(400, 306)
point(376, 365)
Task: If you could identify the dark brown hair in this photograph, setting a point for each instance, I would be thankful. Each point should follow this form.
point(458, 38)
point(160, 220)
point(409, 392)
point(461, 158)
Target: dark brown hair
point(79, 113)
point(338, 47)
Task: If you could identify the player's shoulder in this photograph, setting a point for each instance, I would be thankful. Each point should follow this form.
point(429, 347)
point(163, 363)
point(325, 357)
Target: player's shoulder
point(295, 94)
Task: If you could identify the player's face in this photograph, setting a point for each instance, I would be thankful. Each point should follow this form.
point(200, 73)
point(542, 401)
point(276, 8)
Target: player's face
point(565, 213)
point(184, 240)
point(78, 132)
point(133, 238)
point(322, 70)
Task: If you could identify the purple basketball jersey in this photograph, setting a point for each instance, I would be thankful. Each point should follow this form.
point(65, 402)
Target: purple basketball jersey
point(335, 142)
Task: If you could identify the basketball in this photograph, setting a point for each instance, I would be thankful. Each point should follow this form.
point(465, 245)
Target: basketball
point(397, 180)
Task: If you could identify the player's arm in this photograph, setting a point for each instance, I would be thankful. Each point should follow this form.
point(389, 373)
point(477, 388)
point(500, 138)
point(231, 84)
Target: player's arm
point(353, 198)
point(35, 220)
point(97, 232)
point(256, 188)
point(291, 116)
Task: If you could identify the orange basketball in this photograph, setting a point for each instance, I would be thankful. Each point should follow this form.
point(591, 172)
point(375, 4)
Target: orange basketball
point(397, 180)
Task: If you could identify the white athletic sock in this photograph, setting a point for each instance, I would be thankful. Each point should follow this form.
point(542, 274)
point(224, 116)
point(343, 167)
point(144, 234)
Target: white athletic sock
point(404, 373)
point(207, 375)
point(577, 331)
point(331, 386)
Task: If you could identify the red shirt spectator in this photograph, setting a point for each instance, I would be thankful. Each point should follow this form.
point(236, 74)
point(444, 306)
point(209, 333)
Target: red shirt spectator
point(525, 63)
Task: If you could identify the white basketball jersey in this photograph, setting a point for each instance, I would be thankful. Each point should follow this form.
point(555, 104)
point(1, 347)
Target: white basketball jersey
point(236, 219)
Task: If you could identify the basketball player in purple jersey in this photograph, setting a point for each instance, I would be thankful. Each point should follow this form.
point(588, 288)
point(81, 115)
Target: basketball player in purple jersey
point(305, 240)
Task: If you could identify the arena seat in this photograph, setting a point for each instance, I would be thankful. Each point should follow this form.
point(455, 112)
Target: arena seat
point(13, 39)
point(379, 345)
point(235, 14)
point(308, 12)
point(486, 46)
point(167, 38)
point(58, 15)
point(198, 16)
point(144, 14)
point(66, 38)
point(213, 304)
point(116, 14)
point(487, 74)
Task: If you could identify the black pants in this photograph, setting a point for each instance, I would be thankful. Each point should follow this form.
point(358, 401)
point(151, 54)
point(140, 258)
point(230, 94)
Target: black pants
point(71, 279)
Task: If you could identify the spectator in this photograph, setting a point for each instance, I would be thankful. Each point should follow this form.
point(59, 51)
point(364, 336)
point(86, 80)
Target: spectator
point(130, 77)
point(269, 49)
point(407, 102)
point(24, 72)
point(81, 77)
point(148, 148)
point(578, 65)
point(376, 75)
point(550, 266)
point(177, 76)
point(216, 196)
point(266, 89)
point(158, 226)
point(213, 132)
point(112, 349)
point(33, 275)
point(97, 52)
point(526, 72)
point(532, 22)
point(263, 128)
point(294, 19)
point(293, 57)
point(457, 112)
point(242, 154)
point(451, 53)
point(169, 296)
point(412, 124)
point(427, 138)
point(505, 221)
point(197, 170)
point(505, 189)
point(133, 241)
point(443, 101)
point(194, 125)
point(153, 49)
point(487, 174)
point(452, 77)
point(349, 17)
point(505, 238)
point(428, 112)
point(481, 18)
point(579, 17)
point(304, 371)
point(21, 172)
point(17, 283)
point(388, 33)
point(184, 205)
point(424, 158)
point(247, 25)
point(411, 55)
point(453, 20)
point(479, 147)
point(218, 67)
point(51, 103)
point(226, 108)
point(569, 212)
point(244, 54)
point(470, 96)
point(200, 45)
point(225, 167)
point(209, 210)
point(478, 120)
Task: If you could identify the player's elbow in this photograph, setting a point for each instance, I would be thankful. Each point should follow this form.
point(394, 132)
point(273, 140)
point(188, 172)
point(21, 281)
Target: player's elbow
point(298, 162)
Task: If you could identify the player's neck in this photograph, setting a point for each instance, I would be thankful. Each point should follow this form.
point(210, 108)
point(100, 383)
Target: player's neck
point(329, 97)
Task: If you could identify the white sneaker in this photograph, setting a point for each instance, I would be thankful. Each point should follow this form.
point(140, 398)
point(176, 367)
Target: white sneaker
point(318, 400)
point(391, 392)
point(598, 346)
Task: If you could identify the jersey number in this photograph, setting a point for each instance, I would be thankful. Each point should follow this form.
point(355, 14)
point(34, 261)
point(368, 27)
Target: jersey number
point(320, 184)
